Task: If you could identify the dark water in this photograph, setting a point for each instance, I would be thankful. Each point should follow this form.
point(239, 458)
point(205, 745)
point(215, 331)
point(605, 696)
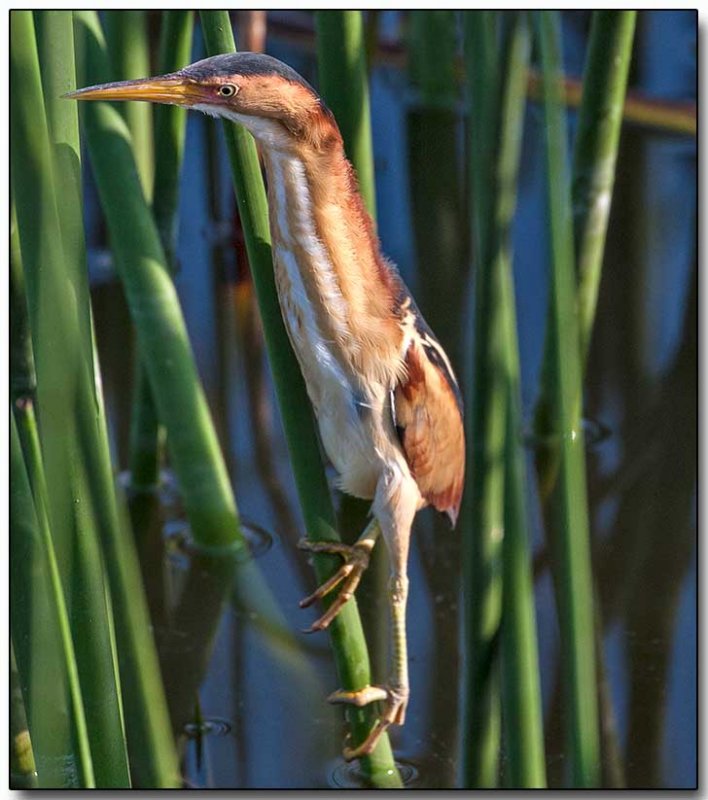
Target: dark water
point(261, 719)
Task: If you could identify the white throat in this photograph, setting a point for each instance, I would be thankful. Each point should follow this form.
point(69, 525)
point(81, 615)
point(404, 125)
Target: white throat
point(268, 132)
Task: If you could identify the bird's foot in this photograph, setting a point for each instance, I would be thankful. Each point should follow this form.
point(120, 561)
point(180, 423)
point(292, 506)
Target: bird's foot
point(395, 700)
point(356, 560)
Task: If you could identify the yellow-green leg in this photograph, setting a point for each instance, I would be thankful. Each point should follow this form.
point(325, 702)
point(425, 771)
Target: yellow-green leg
point(395, 694)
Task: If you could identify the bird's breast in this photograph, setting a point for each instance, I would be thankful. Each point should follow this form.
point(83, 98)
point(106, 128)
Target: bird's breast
point(318, 316)
point(314, 308)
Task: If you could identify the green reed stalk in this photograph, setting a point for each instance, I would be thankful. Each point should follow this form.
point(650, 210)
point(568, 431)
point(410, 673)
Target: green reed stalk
point(346, 633)
point(40, 626)
point(169, 128)
point(129, 51)
point(55, 282)
point(486, 393)
point(521, 690)
point(568, 503)
point(595, 153)
point(344, 84)
point(152, 300)
point(41, 632)
point(153, 759)
point(437, 179)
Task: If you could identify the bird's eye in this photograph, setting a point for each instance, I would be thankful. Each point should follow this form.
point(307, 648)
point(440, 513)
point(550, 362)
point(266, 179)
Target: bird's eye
point(227, 90)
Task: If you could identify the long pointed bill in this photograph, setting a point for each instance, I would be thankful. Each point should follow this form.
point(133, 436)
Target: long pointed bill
point(172, 89)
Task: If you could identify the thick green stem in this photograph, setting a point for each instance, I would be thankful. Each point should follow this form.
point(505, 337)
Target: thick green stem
point(169, 127)
point(595, 153)
point(129, 52)
point(344, 84)
point(346, 633)
point(482, 509)
point(521, 690)
point(568, 500)
point(41, 633)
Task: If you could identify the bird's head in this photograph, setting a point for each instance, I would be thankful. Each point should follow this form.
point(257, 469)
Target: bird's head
point(268, 97)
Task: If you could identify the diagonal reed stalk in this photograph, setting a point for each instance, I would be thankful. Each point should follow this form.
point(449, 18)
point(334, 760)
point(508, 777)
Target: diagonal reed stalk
point(568, 495)
point(521, 690)
point(346, 633)
point(595, 153)
point(169, 128)
point(344, 84)
point(482, 508)
point(129, 50)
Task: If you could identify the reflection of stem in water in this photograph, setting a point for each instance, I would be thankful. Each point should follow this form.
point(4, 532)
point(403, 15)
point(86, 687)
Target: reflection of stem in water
point(440, 556)
point(666, 549)
point(441, 242)
point(185, 646)
point(238, 722)
point(146, 522)
point(610, 748)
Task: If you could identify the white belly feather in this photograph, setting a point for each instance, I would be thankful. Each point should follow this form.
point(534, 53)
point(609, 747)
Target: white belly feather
point(347, 415)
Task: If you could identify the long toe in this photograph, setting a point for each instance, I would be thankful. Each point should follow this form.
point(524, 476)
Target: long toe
point(359, 697)
point(356, 560)
point(394, 713)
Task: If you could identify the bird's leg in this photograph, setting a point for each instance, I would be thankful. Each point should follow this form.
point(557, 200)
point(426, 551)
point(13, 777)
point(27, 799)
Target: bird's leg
point(395, 510)
point(356, 560)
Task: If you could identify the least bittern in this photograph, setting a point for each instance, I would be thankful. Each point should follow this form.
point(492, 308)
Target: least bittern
point(384, 393)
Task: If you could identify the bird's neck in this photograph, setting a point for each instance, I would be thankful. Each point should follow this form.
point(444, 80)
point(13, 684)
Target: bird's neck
point(321, 229)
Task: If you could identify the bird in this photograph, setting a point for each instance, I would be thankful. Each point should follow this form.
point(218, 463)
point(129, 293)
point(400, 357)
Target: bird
point(384, 394)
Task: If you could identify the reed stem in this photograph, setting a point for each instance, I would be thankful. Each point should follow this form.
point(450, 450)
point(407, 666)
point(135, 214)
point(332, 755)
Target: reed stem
point(168, 130)
point(41, 632)
point(521, 690)
point(568, 499)
point(129, 52)
point(482, 515)
point(595, 153)
point(344, 83)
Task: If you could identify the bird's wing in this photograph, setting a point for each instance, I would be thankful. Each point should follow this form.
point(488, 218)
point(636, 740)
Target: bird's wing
point(428, 418)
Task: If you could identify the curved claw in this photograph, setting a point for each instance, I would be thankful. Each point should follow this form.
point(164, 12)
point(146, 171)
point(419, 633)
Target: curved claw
point(349, 575)
point(394, 713)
